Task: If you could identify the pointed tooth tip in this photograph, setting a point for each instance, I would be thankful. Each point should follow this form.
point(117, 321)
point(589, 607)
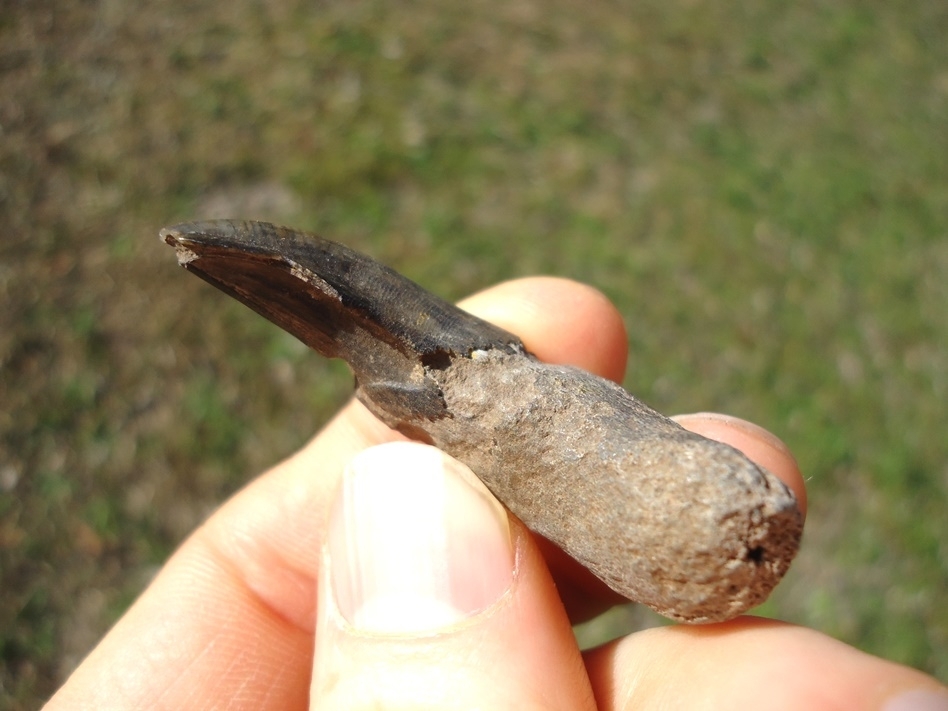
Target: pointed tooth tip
point(186, 233)
point(201, 231)
point(183, 247)
point(172, 235)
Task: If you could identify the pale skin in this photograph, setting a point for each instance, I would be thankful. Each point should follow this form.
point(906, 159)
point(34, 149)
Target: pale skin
point(231, 620)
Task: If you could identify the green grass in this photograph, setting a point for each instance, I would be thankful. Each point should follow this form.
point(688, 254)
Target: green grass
point(761, 187)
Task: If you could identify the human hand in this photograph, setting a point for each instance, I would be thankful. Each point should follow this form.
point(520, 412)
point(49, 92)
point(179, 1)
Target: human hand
point(430, 596)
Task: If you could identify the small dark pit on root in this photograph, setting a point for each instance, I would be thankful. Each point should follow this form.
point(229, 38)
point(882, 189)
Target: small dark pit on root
point(436, 360)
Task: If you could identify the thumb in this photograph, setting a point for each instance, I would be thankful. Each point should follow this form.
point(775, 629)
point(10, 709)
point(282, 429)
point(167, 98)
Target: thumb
point(432, 597)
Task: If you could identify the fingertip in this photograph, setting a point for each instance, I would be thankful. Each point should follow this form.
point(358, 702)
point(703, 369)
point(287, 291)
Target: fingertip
point(761, 446)
point(751, 662)
point(415, 539)
point(430, 597)
point(559, 321)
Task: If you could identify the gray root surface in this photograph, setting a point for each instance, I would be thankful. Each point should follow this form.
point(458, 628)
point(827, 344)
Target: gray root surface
point(686, 525)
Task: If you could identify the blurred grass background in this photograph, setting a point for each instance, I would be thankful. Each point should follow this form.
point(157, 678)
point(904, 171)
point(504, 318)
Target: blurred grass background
point(761, 187)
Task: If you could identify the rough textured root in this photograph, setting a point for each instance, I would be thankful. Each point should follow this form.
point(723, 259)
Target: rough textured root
point(683, 524)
